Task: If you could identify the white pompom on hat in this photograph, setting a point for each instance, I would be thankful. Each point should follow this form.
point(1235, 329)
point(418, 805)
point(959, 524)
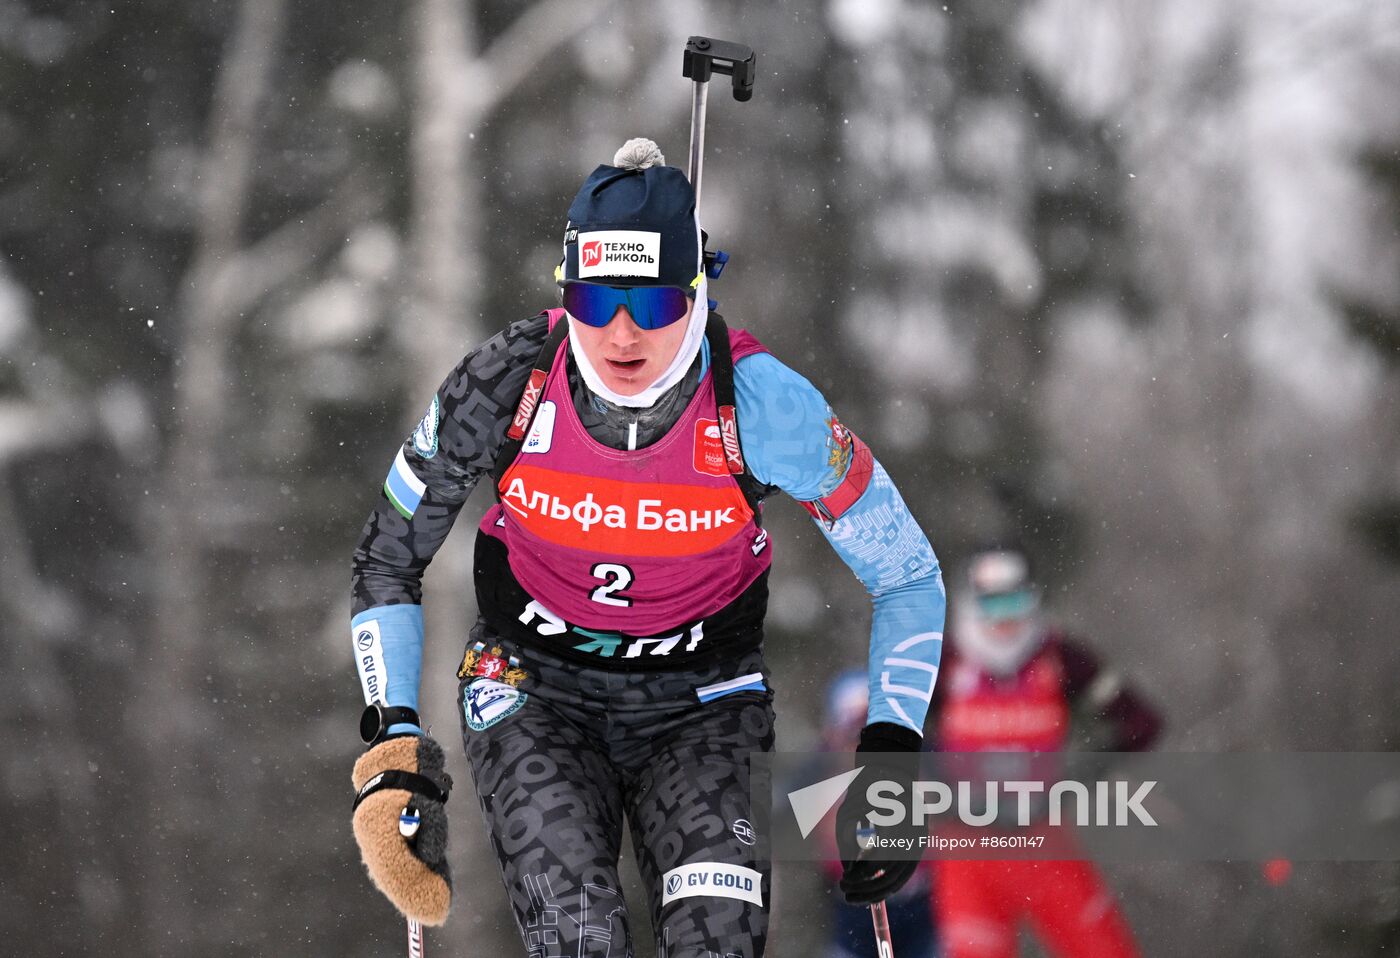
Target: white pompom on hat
point(638, 153)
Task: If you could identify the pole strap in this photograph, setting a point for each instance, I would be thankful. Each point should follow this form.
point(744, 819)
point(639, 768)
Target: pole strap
point(408, 781)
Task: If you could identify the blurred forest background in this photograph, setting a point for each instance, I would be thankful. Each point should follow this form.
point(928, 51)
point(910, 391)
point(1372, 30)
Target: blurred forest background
point(1121, 278)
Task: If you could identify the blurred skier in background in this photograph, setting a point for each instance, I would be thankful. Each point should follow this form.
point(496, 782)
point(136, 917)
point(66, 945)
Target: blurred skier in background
point(1013, 683)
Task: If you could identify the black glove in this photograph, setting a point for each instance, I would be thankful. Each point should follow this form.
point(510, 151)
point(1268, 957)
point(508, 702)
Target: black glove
point(872, 875)
point(401, 825)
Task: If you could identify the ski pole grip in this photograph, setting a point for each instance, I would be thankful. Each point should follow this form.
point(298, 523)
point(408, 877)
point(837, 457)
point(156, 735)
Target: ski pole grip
point(704, 56)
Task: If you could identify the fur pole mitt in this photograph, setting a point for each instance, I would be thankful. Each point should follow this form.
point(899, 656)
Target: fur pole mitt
point(401, 825)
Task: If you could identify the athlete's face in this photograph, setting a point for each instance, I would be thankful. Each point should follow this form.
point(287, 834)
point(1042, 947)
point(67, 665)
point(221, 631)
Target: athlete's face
point(628, 358)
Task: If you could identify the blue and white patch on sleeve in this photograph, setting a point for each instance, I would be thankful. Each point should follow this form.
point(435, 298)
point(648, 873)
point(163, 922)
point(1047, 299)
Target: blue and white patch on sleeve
point(404, 489)
point(425, 437)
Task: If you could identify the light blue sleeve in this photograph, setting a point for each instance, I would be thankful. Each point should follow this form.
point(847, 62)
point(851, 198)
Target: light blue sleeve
point(884, 546)
point(785, 428)
point(388, 644)
point(791, 439)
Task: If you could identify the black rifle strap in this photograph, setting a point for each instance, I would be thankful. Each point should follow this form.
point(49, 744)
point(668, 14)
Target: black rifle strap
point(722, 369)
point(519, 427)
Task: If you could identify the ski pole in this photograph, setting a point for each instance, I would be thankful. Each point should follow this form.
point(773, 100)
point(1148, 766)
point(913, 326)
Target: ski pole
point(884, 944)
point(703, 57)
point(409, 822)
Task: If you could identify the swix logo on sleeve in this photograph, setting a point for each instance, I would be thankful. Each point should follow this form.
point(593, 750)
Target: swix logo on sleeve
point(619, 253)
point(709, 448)
point(528, 399)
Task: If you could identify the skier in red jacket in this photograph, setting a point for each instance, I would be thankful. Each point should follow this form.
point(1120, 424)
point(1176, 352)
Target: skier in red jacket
point(1012, 683)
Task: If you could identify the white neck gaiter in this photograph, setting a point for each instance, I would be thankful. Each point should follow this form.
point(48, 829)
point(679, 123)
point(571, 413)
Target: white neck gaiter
point(1004, 655)
point(690, 346)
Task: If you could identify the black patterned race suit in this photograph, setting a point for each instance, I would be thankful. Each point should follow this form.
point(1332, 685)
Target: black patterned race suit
point(567, 745)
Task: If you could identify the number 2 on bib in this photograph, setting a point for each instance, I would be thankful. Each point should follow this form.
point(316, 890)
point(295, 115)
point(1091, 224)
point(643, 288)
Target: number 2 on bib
point(616, 577)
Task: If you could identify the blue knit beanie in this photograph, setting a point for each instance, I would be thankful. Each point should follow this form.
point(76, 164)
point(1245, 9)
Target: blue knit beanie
point(633, 224)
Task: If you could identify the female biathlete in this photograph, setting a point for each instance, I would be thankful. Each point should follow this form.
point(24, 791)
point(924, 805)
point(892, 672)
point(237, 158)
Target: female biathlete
point(616, 673)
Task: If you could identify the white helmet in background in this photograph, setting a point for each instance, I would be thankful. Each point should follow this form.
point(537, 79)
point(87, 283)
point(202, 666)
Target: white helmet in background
point(997, 622)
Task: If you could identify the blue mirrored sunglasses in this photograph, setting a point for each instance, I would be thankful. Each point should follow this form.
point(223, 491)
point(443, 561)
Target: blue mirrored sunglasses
point(651, 307)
